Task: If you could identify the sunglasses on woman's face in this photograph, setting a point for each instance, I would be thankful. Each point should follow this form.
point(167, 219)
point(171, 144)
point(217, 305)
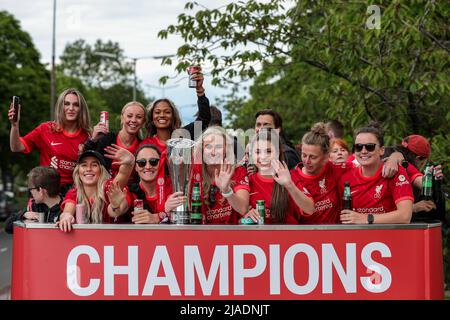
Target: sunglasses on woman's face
point(369, 146)
point(152, 161)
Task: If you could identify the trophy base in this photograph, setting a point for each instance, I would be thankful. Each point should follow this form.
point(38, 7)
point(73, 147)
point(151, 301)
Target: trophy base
point(180, 217)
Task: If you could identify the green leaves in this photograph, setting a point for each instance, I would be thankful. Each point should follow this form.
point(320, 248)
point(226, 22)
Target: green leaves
point(102, 64)
point(327, 61)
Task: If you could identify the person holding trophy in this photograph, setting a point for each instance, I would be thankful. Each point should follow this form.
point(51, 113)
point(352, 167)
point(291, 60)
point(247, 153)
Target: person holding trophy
point(224, 187)
point(151, 199)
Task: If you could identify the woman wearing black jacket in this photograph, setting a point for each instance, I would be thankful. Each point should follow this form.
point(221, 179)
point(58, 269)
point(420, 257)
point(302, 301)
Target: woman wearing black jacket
point(163, 119)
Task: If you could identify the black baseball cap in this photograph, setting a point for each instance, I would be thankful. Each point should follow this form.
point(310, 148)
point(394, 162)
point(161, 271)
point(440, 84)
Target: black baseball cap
point(92, 153)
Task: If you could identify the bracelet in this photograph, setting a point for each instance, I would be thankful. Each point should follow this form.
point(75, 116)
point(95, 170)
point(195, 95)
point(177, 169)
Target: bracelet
point(200, 93)
point(227, 194)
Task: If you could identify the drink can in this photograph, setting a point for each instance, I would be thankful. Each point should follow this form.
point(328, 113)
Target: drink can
point(104, 118)
point(261, 208)
point(192, 70)
point(138, 204)
point(79, 213)
point(41, 218)
point(247, 221)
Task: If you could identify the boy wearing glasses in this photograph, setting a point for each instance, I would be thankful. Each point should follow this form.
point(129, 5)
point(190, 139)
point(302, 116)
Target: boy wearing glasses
point(43, 185)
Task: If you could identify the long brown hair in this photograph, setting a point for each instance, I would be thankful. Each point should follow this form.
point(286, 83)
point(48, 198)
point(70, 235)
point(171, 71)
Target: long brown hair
point(83, 120)
point(280, 199)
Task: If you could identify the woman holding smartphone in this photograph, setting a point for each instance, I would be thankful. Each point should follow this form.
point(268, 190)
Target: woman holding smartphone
point(57, 141)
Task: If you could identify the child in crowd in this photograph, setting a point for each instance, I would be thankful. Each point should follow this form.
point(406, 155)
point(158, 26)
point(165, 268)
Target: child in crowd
point(43, 185)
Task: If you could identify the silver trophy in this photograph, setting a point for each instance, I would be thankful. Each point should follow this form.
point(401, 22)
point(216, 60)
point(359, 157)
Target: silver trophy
point(180, 160)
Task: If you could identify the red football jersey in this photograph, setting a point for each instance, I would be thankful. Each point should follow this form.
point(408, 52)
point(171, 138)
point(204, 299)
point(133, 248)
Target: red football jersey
point(221, 212)
point(155, 206)
point(323, 188)
point(155, 141)
point(261, 189)
point(71, 196)
point(58, 149)
point(376, 194)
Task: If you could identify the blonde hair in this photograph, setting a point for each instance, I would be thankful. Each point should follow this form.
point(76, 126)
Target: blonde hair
point(229, 156)
point(135, 103)
point(83, 120)
point(94, 214)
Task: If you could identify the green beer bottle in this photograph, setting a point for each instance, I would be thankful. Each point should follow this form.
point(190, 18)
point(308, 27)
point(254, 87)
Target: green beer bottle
point(427, 183)
point(196, 205)
point(347, 197)
point(261, 208)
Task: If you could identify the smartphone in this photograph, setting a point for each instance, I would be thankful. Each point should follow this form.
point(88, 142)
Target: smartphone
point(16, 102)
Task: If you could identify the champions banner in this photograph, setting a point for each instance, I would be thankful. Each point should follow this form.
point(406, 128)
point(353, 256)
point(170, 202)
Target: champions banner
point(230, 262)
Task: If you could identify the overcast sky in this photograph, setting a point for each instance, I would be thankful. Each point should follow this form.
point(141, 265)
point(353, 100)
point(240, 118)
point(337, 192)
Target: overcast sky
point(134, 24)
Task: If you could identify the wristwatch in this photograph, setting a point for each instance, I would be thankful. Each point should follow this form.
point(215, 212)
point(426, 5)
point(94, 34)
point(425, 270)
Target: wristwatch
point(370, 218)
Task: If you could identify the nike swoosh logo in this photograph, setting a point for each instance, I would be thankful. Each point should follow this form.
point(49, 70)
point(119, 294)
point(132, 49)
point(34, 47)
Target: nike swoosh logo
point(55, 143)
point(352, 192)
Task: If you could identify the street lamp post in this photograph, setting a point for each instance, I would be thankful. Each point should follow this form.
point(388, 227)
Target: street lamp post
point(134, 59)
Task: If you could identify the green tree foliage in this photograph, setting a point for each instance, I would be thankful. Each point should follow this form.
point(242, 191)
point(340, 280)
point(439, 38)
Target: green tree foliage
point(312, 60)
point(83, 61)
point(106, 80)
point(22, 75)
point(328, 60)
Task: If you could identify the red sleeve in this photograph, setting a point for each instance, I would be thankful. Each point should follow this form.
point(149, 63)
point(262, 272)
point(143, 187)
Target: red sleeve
point(240, 180)
point(413, 173)
point(33, 140)
point(297, 181)
point(71, 196)
point(401, 187)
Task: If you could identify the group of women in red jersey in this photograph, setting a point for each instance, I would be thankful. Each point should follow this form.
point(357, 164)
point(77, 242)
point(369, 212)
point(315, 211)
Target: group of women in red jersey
point(309, 194)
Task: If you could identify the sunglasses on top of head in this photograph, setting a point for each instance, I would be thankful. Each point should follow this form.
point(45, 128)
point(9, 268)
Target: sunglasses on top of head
point(369, 146)
point(152, 161)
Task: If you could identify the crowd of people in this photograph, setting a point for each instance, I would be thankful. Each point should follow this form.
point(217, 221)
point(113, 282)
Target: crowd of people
point(104, 171)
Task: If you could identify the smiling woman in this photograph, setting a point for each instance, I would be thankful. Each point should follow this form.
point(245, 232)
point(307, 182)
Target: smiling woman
point(154, 190)
point(93, 185)
point(163, 118)
point(375, 199)
point(132, 120)
point(58, 141)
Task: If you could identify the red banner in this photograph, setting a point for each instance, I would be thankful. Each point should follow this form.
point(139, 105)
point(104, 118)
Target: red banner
point(201, 262)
